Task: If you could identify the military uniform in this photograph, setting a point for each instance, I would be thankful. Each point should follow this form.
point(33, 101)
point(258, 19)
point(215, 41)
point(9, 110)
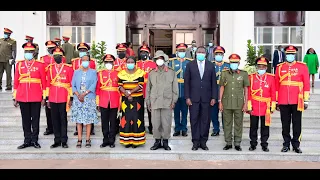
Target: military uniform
point(76, 64)
point(29, 92)
point(219, 67)
point(68, 49)
point(59, 95)
point(293, 91)
point(146, 65)
point(261, 103)
point(30, 39)
point(233, 101)
point(179, 66)
point(57, 41)
point(8, 52)
point(120, 62)
point(108, 100)
point(161, 93)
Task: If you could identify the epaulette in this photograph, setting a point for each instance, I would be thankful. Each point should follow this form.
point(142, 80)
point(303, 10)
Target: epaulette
point(74, 59)
point(300, 62)
point(270, 74)
point(189, 59)
point(225, 70)
point(281, 63)
point(69, 65)
point(92, 59)
point(40, 61)
point(251, 74)
point(100, 70)
point(171, 59)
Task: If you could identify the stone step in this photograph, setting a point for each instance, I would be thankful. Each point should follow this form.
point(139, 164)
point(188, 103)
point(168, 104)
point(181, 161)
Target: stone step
point(181, 150)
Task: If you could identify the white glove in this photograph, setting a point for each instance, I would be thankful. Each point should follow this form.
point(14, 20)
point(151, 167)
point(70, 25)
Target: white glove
point(119, 114)
point(11, 61)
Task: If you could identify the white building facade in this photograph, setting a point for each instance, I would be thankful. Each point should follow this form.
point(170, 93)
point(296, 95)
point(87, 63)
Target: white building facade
point(235, 28)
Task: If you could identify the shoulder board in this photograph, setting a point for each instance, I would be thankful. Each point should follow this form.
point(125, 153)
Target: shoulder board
point(189, 59)
point(280, 64)
point(92, 59)
point(225, 70)
point(40, 61)
point(100, 70)
point(69, 65)
point(252, 74)
point(171, 59)
point(270, 74)
point(300, 62)
point(74, 59)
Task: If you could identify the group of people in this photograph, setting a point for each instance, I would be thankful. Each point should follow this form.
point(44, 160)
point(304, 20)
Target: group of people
point(121, 90)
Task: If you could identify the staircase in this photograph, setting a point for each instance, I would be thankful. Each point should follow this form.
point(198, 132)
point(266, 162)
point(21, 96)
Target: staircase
point(11, 136)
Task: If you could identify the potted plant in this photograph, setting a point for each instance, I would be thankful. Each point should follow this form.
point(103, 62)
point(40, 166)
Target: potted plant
point(97, 52)
point(252, 55)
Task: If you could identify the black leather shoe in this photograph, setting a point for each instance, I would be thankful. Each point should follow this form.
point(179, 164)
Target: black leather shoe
point(156, 145)
point(92, 133)
point(184, 133)
point(25, 145)
point(65, 145)
point(166, 145)
point(265, 149)
point(297, 150)
point(285, 149)
point(75, 133)
point(36, 145)
point(112, 146)
point(238, 148)
point(103, 145)
point(55, 145)
point(47, 132)
point(252, 148)
point(195, 147)
point(129, 145)
point(204, 147)
point(150, 130)
point(8, 89)
point(177, 133)
point(227, 147)
point(215, 134)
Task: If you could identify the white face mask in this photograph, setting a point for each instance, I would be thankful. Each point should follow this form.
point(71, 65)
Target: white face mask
point(160, 62)
point(108, 66)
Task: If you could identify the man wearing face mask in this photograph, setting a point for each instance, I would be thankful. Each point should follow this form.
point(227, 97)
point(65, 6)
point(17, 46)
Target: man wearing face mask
point(233, 97)
point(30, 40)
point(30, 93)
point(108, 100)
point(261, 103)
point(68, 49)
point(120, 62)
point(210, 55)
point(8, 54)
point(83, 49)
point(57, 41)
point(146, 65)
point(293, 91)
point(48, 60)
point(59, 96)
point(191, 51)
point(219, 65)
point(179, 65)
point(278, 57)
point(161, 97)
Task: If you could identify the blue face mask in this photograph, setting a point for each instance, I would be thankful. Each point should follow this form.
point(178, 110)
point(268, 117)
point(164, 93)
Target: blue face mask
point(85, 64)
point(5, 36)
point(194, 48)
point(234, 66)
point(81, 54)
point(182, 54)
point(290, 57)
point(28, 56)
point(27, 41)
point(261, 71)
point(210, 44)
point(130, 66)
point(201, 56)
point(218, 58)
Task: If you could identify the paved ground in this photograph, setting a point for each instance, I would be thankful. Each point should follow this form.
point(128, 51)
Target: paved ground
point(146, 164)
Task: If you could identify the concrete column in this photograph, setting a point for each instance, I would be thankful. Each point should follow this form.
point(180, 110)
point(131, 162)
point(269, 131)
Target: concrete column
point(311, 32)
point(121, 26)
point(243, 29)
point(226, 32)
point(106, 30)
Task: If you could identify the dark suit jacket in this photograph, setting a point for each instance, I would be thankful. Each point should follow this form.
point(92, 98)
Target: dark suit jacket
point(197, 89)
point(276, 57)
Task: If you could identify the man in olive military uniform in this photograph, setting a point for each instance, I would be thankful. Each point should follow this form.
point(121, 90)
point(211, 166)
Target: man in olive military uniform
point(68, 49)
point(30, 40)
point(75, 52)
point(234, 85)
point(8, 54)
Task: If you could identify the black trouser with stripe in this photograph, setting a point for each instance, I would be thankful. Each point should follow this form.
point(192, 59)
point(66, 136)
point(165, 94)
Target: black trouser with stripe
point(49, 119)
point(60, 122)
point(30, 112)
point(264, 131)
point(109, 124)
point(288, 114)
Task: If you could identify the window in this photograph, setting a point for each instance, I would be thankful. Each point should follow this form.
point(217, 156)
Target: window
point(271, 37)
point(77, 34)
point(184, 37)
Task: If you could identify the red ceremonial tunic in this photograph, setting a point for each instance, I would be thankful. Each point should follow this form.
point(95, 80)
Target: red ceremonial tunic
point(146, 66)
point(120, 64)
point(76, 63)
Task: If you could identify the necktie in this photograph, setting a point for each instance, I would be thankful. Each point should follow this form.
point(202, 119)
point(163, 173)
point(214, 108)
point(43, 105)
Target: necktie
point(201, 69)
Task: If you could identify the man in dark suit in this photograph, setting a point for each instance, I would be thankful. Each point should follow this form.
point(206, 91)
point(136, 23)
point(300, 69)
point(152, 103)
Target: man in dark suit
point(278, 57)
point(200, 92)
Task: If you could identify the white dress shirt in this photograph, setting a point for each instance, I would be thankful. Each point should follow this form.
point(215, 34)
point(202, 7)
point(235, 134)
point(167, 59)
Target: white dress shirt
point(199, 66)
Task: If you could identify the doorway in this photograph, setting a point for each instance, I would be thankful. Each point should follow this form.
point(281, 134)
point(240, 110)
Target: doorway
point(160, 39)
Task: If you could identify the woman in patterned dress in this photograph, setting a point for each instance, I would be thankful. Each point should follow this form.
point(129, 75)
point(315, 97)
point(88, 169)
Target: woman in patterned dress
point(132, 130)
point(84, 112)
